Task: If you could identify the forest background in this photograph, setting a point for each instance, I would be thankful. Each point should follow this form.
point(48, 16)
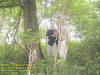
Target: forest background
point(21, 31)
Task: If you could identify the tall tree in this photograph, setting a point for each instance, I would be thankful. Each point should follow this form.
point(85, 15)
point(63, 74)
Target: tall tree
point(30, 20)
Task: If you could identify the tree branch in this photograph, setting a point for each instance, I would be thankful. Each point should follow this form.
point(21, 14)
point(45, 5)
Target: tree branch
point(10, 6)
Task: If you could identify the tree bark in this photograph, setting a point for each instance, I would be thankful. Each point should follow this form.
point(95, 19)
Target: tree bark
point(31, 22)
point(30, 18)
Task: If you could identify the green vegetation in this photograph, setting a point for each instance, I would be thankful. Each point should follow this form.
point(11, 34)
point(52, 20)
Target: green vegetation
point(83, 57)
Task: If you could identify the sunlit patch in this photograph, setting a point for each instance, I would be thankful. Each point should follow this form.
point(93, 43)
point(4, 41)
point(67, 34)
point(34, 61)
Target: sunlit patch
point(43, 40)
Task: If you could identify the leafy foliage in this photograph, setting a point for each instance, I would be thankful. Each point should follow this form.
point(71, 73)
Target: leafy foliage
point(83, 56)
point(9, 2)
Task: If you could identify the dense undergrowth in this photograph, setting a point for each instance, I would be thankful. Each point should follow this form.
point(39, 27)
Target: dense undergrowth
point(83, 58)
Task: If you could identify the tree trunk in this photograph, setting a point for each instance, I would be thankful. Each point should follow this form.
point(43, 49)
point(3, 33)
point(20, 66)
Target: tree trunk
point(30, 18)
point(31, 22)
